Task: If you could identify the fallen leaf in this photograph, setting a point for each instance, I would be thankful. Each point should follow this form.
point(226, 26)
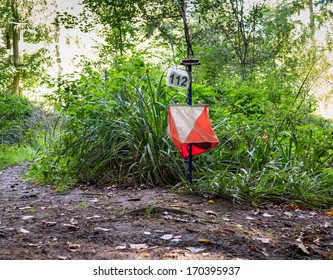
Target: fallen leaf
point(176, 240)
point(195, 249)
point(211, 213)
point(267, 215)
point(215, 230)
point(264, 240)
point(146, 255)
point(229, 230)
point(53, 239)
point(180, 220)
point(211, 201)
point(102, 229)
point(317, 241)
point(71, 227)
point(328, 256)
point(166, 237)
point(34, 245)
point(329, 213)
point(206, 241)
point(50, 224)
point(326, 225)
point(303, 248)
point(74, 247)
point(73, 221)
point(264, 252)
point(93, 217)
point(291, 207)
point(25, 218)
point(139, 246)
point(25, 208)
point(249, 218)
point(22, 230)
point(289, 214)
point(302, 207)
point(254, 248)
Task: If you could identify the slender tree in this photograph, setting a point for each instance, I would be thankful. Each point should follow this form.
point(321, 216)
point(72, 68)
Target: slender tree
point(19, 22)
point(16, 39)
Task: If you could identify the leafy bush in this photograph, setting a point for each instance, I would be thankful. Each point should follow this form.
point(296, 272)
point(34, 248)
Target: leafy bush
point(113, 129)
point(15, 155)
point(14, 113)
point(271, 145)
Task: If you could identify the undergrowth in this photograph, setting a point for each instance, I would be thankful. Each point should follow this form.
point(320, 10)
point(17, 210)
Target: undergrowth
point(113, 129)
point(22, 125)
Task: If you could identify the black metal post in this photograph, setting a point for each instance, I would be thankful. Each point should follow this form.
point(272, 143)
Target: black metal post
point(188, 63)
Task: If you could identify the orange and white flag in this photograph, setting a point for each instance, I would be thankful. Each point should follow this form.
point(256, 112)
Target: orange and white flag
point(190, 124)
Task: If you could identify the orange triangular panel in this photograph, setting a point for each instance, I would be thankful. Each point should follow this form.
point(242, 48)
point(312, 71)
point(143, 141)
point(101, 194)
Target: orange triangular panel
point(191, 125)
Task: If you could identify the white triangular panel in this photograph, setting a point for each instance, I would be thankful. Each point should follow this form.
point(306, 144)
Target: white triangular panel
point(184, 117)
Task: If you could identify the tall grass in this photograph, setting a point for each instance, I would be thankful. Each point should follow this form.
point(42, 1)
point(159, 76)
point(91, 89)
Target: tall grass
point(259, 164)
point(119, 136)
point(112, 128)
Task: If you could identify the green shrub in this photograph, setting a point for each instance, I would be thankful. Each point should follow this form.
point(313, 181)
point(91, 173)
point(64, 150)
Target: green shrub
point(113, 129)
point(14, 113)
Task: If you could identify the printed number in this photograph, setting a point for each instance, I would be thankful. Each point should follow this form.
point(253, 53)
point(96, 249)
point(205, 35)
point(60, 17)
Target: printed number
point(178, 80)
point(195, 270)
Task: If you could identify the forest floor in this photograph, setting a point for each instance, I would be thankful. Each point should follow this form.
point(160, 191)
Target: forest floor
point(91, 223)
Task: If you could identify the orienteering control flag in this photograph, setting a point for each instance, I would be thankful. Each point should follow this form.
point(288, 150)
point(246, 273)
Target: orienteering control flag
point(191, 125)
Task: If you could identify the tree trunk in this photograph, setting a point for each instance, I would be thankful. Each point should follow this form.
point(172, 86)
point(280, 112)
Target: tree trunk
point(312, 20)
point(57, 48)
point(16, 54)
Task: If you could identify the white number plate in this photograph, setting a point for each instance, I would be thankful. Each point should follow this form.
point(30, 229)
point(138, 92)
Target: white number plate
point(177, 78)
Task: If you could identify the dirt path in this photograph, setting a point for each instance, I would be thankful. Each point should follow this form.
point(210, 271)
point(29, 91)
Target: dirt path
point(115, 223)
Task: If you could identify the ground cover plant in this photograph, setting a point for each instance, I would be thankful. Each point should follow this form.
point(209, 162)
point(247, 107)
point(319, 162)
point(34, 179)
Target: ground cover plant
point(16, 129)
point(113, 129)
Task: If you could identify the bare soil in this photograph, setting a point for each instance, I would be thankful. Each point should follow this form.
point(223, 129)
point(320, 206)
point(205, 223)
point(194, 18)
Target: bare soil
point(92, 223)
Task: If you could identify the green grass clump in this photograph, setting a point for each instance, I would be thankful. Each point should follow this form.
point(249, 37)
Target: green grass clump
point(22, 124)
point(15, 155)
point(14, 112)
point(112, 129)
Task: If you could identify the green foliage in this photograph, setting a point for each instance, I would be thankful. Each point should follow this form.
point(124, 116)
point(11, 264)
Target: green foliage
point(258, 65)
point(280, 154)
point(15, 155)
point(20, 126)
point(14, 113)
point(114, 129)
point(19, 21)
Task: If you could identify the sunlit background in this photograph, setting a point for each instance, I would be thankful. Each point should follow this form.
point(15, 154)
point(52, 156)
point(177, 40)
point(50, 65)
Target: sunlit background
point(74, 44)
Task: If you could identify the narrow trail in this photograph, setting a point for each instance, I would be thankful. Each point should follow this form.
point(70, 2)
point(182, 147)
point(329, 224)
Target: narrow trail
point(116, 223)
